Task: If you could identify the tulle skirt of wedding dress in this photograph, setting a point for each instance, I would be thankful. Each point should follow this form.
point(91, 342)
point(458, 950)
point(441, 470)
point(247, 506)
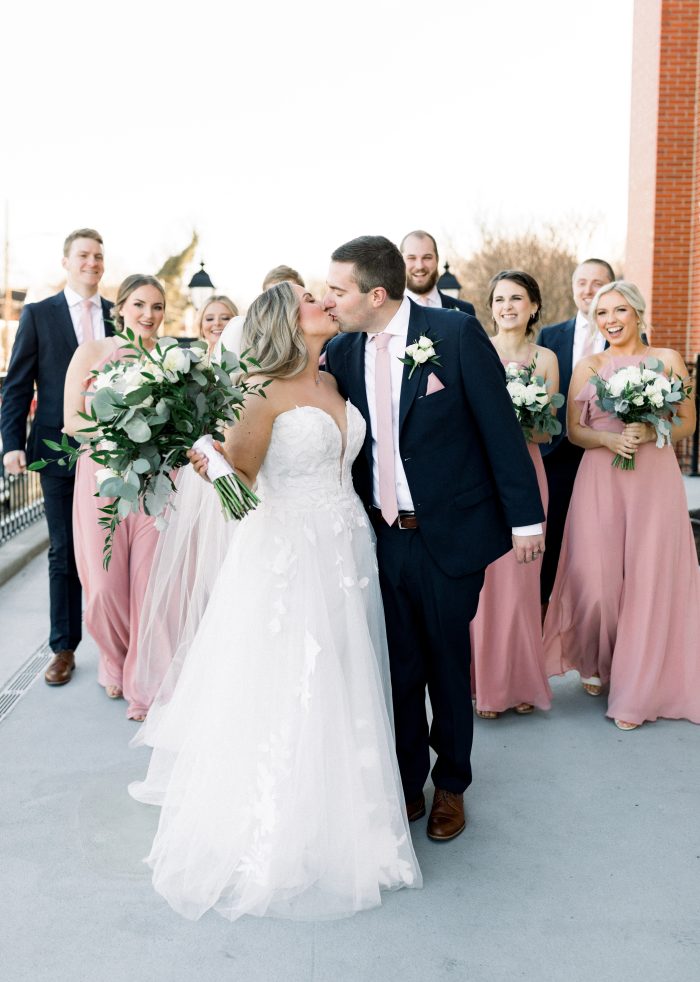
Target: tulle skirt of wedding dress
point(186, 564)
point(273, 758)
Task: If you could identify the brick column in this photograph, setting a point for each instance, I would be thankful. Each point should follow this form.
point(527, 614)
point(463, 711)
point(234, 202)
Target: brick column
point(663, 237)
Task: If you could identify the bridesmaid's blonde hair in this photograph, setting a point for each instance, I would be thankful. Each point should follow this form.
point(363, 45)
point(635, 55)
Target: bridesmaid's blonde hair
point(271, 331)
point(632, 295)
point(218, 298)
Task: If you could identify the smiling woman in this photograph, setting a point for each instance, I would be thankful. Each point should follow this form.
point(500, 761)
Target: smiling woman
point(626, 603)
point(213, 318)
point(113, 596)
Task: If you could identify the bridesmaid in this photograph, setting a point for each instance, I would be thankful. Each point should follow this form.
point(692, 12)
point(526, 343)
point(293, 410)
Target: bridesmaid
point(506, 634)
point(626, 602)
point(212, 318)
point(114, 596)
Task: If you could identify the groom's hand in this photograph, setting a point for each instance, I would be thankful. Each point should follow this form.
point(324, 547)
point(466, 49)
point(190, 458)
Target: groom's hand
point(528, 548)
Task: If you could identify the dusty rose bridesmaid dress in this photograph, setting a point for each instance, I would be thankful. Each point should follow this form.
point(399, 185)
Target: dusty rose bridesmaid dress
point(506, 634)
point(113, 597)
point(626, 600)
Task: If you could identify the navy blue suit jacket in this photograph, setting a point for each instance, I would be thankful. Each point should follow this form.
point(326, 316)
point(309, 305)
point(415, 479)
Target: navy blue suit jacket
point(452, 303)
point(42, 351)
point(559, 338)
point(468, 468)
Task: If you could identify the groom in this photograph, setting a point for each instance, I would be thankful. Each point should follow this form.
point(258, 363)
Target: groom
point(449, 485)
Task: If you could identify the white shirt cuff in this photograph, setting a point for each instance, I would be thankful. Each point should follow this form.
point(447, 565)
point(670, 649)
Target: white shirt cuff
point(528, 529)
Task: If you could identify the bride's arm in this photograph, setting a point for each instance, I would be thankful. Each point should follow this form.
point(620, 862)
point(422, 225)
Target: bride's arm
point(246, 442)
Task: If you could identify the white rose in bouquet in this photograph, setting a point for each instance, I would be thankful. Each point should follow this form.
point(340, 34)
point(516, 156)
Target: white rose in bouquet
point(421, 356)
point(517, 392)
point(535, 395)
point(107, 379)
point(132, 379)
point(624, 377)
point(104, 474)
point(175, 360)
point(424, 342)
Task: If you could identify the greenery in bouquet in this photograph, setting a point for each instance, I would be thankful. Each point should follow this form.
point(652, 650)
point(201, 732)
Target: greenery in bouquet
point(642, 394)
point(532, 402)
point(146, 410)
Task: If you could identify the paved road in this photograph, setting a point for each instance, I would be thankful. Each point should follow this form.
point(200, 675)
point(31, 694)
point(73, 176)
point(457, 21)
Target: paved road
point(581, 861)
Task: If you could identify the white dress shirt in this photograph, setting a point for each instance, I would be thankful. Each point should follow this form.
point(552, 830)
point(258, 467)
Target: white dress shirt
point(398, 328)
point(431, 299)
point(75, 306)
point(582, 331)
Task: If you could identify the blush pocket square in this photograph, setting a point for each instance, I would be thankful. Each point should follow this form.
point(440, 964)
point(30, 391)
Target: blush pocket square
point(434, 384)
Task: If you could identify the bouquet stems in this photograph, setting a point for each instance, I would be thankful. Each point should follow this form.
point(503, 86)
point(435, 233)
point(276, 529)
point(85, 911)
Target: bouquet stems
point(624, 463)
point(236, 497)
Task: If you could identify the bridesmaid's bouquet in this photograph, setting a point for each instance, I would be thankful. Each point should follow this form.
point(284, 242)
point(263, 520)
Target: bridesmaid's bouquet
point(148, 408)
point(642, 394)
point(531, 401)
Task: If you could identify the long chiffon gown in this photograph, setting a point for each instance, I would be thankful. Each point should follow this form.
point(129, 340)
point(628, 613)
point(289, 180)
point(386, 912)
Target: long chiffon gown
point(506, 634)
point(626, 600)
point(113, 597)
point(273, 759)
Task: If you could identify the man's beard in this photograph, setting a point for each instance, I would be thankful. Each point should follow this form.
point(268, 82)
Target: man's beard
point(425, 286)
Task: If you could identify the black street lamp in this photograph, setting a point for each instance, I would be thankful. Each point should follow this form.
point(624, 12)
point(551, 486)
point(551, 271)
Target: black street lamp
point(449, 284)
point(200, 287)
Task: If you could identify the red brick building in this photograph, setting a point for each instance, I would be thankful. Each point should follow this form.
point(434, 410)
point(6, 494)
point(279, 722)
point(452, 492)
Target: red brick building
point(663, 236)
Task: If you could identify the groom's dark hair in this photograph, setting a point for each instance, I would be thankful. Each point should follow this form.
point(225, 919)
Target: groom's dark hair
point(376, 262)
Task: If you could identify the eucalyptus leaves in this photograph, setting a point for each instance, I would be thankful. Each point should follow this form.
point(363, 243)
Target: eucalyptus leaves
point(146, 410)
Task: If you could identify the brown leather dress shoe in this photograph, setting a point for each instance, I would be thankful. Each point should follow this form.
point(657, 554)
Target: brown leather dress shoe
point(61, 668)
point(446, 816)
point(415, 809)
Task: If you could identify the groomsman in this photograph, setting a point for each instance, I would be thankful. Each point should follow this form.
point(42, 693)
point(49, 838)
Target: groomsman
point(48, 334)
point(420, 253)
point(570, 341)
point(449, 485)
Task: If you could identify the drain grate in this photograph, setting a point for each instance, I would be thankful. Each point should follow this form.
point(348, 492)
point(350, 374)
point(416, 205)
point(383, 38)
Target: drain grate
point(23, 679)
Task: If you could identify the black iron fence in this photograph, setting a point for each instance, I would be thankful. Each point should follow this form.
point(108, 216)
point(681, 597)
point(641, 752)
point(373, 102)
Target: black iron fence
point(21, 500)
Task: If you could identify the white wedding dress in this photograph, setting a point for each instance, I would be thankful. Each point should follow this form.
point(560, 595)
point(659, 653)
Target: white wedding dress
point(273, 758)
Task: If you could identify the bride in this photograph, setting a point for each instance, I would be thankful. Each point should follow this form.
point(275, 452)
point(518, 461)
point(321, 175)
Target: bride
point(273, 758)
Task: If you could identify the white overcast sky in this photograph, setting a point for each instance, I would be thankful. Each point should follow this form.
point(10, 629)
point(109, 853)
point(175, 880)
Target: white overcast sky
point(280, 130)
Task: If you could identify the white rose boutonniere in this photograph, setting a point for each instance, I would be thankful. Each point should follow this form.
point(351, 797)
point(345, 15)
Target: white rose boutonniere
point(420, 352)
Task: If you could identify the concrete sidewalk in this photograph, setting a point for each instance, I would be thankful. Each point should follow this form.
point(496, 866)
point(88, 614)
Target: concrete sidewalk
point(581, 860)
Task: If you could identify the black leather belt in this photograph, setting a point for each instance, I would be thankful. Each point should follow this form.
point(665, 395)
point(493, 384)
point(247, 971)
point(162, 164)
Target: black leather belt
point(406, 519)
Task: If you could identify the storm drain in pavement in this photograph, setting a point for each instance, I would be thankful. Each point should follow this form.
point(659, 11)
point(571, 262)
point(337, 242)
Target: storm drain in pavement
point(23, 679)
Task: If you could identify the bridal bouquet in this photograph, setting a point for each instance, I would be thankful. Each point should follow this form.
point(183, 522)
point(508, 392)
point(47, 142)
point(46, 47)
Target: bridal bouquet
point(642, 394)
point(531, 401)
point(147, 410)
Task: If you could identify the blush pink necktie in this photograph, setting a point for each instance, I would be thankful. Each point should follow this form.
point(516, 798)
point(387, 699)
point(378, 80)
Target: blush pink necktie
point(86, 321)
point(385, 430)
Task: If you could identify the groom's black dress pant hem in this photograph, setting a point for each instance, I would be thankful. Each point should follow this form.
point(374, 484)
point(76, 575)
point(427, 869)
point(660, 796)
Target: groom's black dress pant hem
point(561, 467)
point(65, 595)
point(427, 618)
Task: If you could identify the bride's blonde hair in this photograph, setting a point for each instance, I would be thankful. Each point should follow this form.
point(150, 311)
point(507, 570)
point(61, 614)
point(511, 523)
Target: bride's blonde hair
point(271, 331)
